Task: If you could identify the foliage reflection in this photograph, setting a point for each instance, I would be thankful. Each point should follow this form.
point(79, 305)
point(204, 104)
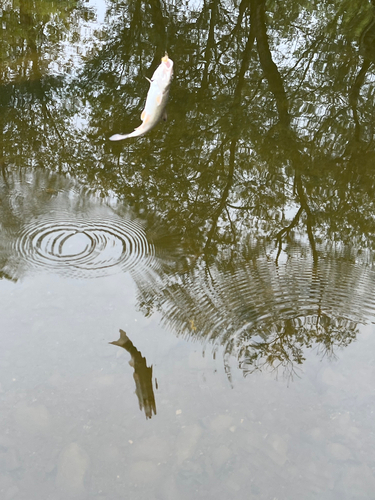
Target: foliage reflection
point(258, 192)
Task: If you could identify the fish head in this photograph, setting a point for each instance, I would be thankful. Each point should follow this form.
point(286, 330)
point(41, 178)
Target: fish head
point(167, 65)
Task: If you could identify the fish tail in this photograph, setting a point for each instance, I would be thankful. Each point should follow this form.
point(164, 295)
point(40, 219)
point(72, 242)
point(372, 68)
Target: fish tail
point(120, 137)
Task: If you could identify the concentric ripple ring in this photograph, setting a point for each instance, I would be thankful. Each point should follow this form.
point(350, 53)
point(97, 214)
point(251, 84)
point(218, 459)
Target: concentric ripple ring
point(84, 247)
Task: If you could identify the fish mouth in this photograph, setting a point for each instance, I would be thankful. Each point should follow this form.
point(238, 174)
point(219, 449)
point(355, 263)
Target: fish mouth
point(165, 60)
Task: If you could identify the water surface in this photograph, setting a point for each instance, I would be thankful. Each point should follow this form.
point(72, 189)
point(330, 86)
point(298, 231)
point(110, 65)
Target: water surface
point(188, 314)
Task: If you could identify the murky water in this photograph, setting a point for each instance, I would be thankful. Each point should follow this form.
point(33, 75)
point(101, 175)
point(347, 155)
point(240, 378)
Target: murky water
point(188, 314)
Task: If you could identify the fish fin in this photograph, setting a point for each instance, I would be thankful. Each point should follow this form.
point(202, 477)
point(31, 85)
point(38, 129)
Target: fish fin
point(143, 114)
point(159, 98)
point(165, 116)
point(148, 79)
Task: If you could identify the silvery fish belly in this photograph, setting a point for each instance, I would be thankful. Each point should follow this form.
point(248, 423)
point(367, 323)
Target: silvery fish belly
point(156, 99)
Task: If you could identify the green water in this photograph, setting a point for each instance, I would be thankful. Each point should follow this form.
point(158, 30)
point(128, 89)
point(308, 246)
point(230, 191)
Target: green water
point(232, 245)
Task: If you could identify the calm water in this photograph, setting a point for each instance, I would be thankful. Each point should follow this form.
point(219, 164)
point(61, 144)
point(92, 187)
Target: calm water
point(189, 314)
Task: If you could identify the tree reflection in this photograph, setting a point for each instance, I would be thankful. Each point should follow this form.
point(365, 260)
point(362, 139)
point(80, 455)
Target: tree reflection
point(258, 188)
point(34, 115)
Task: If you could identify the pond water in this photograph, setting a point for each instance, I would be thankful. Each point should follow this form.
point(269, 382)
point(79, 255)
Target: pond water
point(187, 314)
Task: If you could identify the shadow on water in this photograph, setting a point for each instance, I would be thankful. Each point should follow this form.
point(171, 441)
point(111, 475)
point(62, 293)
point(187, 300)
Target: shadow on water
point(142, 375)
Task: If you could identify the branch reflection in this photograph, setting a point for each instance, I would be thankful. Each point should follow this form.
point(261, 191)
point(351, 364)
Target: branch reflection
point(256, 195)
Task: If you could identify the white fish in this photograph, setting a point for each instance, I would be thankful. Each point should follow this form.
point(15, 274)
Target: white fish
point(156, 99)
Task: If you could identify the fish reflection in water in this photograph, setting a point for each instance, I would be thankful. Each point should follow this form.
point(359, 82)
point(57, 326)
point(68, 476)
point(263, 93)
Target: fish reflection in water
point(142, 375)
point(156, 100)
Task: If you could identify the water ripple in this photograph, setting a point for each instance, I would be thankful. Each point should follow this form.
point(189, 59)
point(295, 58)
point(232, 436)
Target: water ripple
point(84, 247)
point(266, 299)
